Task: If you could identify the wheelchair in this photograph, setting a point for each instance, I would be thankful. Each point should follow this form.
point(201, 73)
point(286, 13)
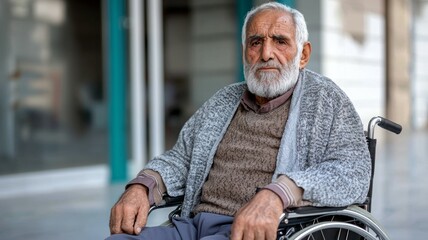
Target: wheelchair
point(320, 223)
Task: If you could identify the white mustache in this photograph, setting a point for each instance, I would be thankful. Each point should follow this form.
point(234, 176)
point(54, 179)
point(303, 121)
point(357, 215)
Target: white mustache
point(269, 64)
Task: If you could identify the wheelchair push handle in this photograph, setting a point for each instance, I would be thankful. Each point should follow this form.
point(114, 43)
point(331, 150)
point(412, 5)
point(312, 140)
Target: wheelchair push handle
point(390, 126)
point(383, 123)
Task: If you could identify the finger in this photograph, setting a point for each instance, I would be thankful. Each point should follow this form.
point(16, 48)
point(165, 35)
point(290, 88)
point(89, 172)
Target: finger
point(271, 235)
point(264, 229)
point(250, 235)
point(237, 232)
point(252, 231)
point(115, 220)
point(140, 221)
point(128, 220)
point(259, 235)
point(267, 230)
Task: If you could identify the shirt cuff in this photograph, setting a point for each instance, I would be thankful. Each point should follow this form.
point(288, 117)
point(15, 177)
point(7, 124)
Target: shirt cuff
point(287, 190)
point(274, 187)
point(153, 181)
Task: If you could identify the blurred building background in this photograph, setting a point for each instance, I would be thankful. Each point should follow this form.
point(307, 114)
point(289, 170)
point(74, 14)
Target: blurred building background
point(67, 104)
point(53, 102)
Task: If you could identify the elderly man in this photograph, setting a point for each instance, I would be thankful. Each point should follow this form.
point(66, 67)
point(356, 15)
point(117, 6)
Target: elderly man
point(287, 137)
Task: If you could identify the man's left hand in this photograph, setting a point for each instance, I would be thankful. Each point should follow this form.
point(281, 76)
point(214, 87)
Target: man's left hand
point(259, 218)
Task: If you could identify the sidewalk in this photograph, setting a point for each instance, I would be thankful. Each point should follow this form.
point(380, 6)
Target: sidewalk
point(400, 185)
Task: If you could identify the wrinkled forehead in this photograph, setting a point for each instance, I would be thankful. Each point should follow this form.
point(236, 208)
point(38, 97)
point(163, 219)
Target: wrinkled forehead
point(271, 22)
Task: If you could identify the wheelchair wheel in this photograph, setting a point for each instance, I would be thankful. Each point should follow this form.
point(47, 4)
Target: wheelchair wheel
point(352, 223)
point(333, 230)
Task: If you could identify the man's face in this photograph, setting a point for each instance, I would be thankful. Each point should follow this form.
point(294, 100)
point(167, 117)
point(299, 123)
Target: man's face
point(270, 58)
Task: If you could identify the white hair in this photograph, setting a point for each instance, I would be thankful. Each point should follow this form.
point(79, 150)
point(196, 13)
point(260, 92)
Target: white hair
point(299, 21)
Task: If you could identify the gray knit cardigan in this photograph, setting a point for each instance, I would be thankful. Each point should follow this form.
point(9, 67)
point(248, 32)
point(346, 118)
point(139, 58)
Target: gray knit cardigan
point(323, 148)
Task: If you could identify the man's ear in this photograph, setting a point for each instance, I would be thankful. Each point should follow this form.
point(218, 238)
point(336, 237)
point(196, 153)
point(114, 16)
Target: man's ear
point(306, 55)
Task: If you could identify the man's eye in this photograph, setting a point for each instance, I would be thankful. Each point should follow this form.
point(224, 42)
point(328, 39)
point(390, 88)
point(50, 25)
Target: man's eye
point(282, 42)
point(256, 43)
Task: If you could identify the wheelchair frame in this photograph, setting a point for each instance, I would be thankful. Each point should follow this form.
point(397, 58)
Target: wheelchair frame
point(353, 222)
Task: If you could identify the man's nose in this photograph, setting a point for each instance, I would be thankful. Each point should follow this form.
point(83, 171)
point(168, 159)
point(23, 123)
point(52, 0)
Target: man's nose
point(267, 52)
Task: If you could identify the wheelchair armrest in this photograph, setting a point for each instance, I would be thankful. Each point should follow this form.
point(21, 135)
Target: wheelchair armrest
point(316, 210)
point(168, 201)
point(308, 211)
point(172, 201)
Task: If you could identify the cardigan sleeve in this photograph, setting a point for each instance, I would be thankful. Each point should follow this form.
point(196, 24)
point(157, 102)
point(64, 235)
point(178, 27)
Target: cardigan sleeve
point(173, 165)
point(334, 162)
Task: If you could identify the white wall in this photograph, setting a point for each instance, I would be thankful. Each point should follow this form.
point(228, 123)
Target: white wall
point(348, 46)
point(213, 48)
point(419, 64)
point(353, 51)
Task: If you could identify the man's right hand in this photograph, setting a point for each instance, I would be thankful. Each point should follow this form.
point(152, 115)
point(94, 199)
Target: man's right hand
point(129, 214)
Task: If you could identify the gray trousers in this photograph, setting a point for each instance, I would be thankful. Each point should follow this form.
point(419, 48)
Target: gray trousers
point(206, 226)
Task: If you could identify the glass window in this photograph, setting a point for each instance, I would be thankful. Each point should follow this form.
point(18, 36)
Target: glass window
point(54, 106)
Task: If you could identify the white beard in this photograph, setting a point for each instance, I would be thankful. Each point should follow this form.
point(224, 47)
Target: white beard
point(271, 84)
